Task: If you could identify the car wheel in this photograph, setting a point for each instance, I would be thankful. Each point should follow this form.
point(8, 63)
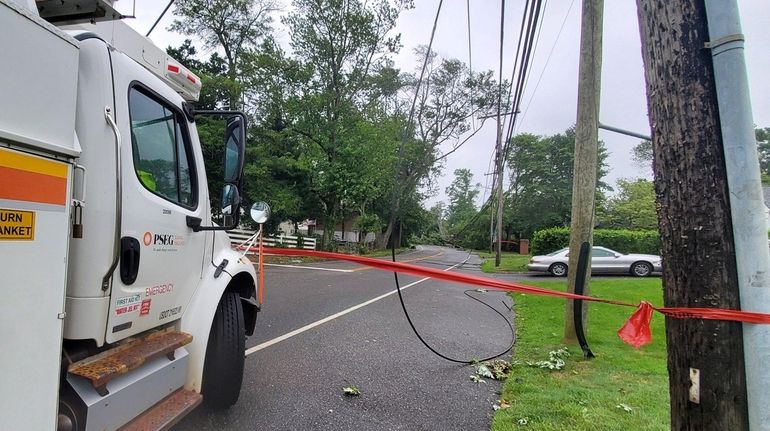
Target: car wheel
point(223, 368)
point(558, 269)
point(641, 269)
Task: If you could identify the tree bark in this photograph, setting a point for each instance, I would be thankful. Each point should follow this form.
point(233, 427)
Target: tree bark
point(385, 238)
point(693, 215)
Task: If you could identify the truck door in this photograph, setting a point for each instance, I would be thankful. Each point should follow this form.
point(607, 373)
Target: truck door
point(163, 183)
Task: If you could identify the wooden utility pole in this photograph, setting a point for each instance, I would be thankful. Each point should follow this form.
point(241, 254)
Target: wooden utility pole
point(586, 150)
point(705, 358)
point(499, 191)
point(499, 144)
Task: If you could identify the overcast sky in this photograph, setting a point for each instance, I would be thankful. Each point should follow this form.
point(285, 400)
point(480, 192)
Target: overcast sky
point(553, 101)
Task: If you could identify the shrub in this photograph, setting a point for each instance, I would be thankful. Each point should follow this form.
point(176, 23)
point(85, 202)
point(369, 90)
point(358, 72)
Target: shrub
point(621, 240)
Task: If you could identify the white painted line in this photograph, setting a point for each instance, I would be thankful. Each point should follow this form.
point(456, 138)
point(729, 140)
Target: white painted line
point(309, 267)
point(310, 326)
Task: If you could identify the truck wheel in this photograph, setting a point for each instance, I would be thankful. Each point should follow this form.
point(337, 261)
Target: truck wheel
point(223, 369)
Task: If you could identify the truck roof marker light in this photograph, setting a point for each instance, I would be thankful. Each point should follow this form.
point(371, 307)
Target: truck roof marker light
point(182, 80)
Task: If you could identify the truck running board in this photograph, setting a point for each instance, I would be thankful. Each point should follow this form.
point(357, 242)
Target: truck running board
point(166, 413)
point(102, 368)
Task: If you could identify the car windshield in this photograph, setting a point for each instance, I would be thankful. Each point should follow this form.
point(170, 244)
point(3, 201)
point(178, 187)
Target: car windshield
point(557, 252)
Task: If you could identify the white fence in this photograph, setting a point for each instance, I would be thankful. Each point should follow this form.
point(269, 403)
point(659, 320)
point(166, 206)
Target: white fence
point(237, 236)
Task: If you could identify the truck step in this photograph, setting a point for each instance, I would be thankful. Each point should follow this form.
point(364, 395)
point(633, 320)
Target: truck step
point(100, 369)
point(166, 413)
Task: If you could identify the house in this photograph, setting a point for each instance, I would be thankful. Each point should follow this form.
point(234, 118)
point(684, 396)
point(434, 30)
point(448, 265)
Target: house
point(345, 231)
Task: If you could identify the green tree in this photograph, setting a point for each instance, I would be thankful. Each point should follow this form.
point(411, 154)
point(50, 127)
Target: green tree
point(632, 208)
point(234, 26)
point(343, 41)
point(448, 100)
point(541, 172)
point(763, 148)
point(642, 153)
point(462, 194)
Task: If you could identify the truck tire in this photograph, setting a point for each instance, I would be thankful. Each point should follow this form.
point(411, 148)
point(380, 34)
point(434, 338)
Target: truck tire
point(223, 369)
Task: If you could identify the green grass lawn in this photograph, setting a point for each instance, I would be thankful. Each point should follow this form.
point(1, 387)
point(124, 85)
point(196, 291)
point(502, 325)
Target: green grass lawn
point(509, 262)
point(621, 389)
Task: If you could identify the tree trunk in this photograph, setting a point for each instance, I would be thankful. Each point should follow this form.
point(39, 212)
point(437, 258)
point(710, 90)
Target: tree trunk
point(330, 223)
point(384, 239)
point(693, 216)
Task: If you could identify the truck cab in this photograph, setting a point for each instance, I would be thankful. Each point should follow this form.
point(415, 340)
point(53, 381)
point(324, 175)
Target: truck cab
point(123, 297)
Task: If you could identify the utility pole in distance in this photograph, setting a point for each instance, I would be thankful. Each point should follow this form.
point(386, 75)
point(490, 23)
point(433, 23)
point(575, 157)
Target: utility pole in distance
point(707, 379)
point(495, 238)
point(586, 151)
point(500, 178)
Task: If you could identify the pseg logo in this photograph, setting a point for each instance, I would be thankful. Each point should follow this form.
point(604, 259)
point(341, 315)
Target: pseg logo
point(162, 239)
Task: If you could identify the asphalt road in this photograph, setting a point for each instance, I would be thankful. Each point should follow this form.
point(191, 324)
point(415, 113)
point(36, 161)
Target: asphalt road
point(296, 367)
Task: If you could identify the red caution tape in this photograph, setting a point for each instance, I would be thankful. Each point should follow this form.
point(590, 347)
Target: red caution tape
point(636, 330)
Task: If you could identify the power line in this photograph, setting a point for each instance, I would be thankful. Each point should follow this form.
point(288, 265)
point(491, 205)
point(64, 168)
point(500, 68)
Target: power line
point(547, 60)
point(535, 18)
point(470, 55)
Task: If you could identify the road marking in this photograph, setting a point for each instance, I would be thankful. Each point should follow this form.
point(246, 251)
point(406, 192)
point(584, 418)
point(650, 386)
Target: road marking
point(310, 326)
point(309, 267)
point(365, 268)
point(346, 270)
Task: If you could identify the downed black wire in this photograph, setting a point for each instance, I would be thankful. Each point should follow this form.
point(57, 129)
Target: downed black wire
point(393, 199)
point(425, 343)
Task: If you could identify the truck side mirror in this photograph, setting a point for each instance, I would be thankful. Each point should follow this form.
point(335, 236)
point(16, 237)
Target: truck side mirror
point(232, 152)
point(231, 202)
point(235, 149)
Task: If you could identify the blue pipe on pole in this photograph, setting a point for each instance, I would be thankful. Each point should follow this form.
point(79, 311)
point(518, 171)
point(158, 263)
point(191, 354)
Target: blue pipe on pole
point(749, 216)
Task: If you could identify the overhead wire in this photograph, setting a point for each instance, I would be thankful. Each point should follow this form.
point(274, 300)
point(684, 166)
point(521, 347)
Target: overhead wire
point(534, 19)
point(547, 60)
point(537, 41)
point(470, 55)
point(528, 36)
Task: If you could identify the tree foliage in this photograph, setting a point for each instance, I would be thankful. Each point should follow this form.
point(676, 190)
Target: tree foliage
point(633, 207)
point(763, 148)
point(345, 44)
point(541, 173)
point(462, 194)
point(234, 26)
point(328, 118)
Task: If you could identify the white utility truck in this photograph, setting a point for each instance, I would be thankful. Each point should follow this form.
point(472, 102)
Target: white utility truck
point(122, 304)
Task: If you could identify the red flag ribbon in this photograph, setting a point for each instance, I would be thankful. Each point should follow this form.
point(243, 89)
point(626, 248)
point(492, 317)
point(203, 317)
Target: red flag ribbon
point(636, 330)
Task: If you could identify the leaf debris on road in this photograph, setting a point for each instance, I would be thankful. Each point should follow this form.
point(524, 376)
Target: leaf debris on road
point(351, 391)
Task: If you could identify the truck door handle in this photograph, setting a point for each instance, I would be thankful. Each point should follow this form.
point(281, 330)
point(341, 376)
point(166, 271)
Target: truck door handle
point(129, 259)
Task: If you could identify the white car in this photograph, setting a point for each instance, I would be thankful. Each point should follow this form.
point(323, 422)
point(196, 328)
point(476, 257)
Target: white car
point(603, 261)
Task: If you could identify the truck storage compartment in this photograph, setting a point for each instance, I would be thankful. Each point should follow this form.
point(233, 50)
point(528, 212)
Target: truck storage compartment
point(39, 82)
